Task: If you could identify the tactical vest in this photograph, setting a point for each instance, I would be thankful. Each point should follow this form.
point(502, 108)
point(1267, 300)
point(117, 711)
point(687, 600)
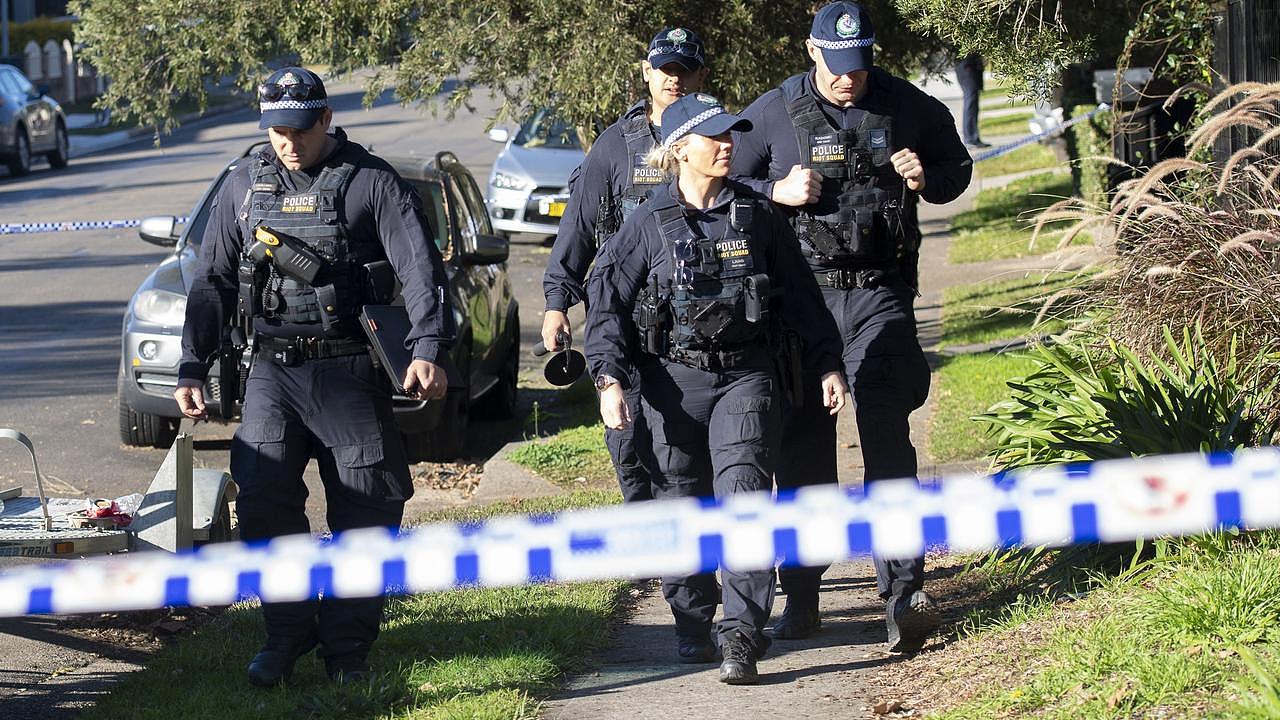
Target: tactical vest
point(717, 300)
point(857, 221)
point(314, 217)
point(637, 134)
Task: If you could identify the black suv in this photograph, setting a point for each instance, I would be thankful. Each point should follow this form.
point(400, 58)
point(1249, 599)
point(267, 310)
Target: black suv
point(31, 123)
point(485, 309)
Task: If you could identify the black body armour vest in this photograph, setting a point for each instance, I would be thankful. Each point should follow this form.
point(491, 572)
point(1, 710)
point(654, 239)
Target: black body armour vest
point(640, 178)
point(857, 221)
point(315, 217)
point(717, 301)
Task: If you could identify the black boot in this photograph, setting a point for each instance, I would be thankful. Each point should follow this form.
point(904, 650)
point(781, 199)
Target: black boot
point(348, 670)
point(739, 666)
point(799, 620)
point(910, 620)
point(696, 649)
point(274, 663)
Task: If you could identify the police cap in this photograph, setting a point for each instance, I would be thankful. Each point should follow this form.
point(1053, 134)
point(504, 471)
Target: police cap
point(292, 97)
point(843, 31)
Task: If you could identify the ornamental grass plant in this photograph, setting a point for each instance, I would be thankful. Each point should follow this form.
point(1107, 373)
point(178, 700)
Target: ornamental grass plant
point(1193, 241)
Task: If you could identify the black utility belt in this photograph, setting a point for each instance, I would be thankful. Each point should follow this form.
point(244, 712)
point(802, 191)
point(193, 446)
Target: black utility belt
point(853, 278)
point(292, 351)
point(719, 359)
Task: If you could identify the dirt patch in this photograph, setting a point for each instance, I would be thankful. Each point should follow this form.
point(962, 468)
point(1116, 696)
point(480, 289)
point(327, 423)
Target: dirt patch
point(460, 477)
point(146, 630)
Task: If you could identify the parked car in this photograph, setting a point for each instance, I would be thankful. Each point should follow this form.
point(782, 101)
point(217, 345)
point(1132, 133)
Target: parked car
point(528, 186)
point(485, 309)
point(31, 123)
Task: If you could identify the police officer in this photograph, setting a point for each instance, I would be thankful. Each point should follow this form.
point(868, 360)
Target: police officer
point(611, 183)
point(715, 272)
point(851, 149)
point(969, 71)
point(313, 390)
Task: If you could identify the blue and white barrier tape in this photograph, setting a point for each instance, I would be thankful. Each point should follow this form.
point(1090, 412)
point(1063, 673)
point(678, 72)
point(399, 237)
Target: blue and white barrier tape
point(1107, 501)
point(19, 228)
point(22, 228)
point(1010, 147)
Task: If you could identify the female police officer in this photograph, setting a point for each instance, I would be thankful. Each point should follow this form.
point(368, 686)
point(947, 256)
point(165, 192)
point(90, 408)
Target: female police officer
point(706, 261)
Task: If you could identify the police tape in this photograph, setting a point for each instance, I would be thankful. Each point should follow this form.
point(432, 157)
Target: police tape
point(72, 226)
point(20, 228)
point(1037, 137)
point(1052, 506)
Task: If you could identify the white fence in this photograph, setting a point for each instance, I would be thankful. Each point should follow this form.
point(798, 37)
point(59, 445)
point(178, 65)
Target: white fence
point(57, 65)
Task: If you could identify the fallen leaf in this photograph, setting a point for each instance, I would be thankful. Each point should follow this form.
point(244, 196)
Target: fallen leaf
point(1193, 651)
point(884, 707)
point(426, 687)
point(1118, 696)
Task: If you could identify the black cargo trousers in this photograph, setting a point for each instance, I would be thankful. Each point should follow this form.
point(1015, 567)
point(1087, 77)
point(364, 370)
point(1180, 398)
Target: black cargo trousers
point(888, 376)
point(337, 410)
point(714, 435)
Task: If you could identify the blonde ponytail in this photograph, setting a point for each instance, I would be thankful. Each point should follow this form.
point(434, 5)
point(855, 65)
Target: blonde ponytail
point(663, 158)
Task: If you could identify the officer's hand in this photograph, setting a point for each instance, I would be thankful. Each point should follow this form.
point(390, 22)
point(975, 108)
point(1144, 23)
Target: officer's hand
point(907, 164)
point(190, 397)
point(554, 323)
point(425, 380)
point(801, 186)
point(833, 390)
point(613, 408)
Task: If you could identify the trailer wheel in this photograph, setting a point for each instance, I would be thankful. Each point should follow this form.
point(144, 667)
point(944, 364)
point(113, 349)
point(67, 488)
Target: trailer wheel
point(225, 527)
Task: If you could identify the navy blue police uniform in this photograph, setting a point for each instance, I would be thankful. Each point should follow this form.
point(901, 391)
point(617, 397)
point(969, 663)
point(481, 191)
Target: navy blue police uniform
point(861, 240)
point(689, 300)
point(313, 390)
point(604, 190)
point(969, 71)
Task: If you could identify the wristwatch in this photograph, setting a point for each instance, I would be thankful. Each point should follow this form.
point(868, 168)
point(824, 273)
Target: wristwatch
point(604, 381)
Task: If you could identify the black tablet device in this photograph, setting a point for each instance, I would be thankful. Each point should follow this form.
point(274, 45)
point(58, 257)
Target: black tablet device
point(387, 326)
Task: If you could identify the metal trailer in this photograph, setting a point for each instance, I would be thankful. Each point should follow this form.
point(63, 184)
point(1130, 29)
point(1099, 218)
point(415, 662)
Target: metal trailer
point(48, 527)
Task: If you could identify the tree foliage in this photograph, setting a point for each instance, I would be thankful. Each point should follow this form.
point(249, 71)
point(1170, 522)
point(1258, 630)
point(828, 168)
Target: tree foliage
point(1031, 42)
point(582, 58)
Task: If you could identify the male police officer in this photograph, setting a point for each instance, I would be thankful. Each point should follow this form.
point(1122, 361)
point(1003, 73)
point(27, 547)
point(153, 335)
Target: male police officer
point(610, 183)
point(328, 212)
point(852, 148)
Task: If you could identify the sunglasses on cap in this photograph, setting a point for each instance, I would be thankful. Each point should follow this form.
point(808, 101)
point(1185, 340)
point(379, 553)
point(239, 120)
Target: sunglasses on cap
point(687, 49)
point(271, 92)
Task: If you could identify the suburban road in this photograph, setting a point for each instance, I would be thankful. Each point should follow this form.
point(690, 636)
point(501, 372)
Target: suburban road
point(63, 295)
point(62, 299)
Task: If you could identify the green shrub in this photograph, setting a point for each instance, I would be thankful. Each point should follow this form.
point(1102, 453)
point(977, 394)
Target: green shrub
point(39, 30)
point(1087, 403)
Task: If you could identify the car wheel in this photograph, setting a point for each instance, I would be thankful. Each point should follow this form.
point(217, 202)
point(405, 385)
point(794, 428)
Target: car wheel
point(20, 163)
point(61, 149)
point(139, 429)
point(447, 440)
point(500, 401)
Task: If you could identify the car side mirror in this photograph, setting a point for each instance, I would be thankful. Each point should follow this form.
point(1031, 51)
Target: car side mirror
point(485, 250)
point(159, 230)
point(499, 135)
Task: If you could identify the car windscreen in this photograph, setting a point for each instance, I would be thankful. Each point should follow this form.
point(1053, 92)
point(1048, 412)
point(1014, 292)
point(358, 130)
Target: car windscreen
point(196, 224)
point(546, 130)
point(433, 210)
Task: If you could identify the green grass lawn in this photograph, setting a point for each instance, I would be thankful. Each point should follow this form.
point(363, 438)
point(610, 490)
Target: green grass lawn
point(998, 309)
point(1028, 157)
point(1193, 633)
point(996, 227)
point(968, 385)
point(460, 654)
point(568, 439)
point(577, 452)
point(1015, 124)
